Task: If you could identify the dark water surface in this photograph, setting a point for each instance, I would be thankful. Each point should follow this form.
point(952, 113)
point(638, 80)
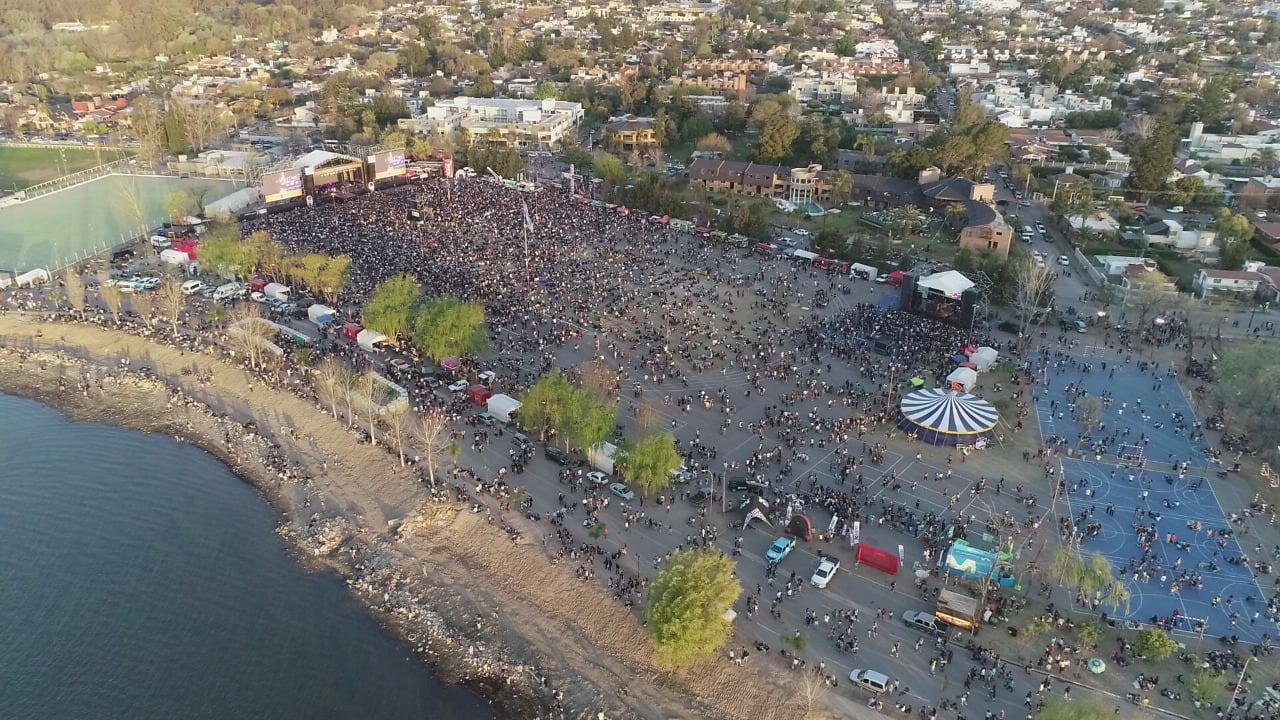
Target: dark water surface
point(140, 580)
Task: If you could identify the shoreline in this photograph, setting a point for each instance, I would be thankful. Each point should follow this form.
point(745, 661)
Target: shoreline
point(481, 609)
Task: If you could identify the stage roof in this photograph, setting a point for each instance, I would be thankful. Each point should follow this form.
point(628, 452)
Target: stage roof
point(318, 158)
point(950, 283)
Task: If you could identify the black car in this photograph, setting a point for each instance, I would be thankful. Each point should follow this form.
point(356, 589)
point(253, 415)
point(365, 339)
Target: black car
point(1009, 327)
point(556, 455)
point(700, 497)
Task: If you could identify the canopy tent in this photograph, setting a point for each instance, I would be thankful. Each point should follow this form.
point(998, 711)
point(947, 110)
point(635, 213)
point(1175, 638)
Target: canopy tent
point(963, 378)
point(949, 283)
point(451, 364)
point(370, 340)
point(984, 358)
point(944, 417)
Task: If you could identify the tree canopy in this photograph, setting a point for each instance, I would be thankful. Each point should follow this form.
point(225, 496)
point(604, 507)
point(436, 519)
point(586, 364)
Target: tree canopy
point(392, 306)
point(687, 605)
point(579, 417)
point(225, 253)
point(446, 326)
point(649, 463)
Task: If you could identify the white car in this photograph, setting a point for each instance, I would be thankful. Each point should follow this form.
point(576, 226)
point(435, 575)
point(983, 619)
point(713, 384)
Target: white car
point(801, 232)
point(826, 570)
point(191, 287)
point(124, 286)
point(258, 297)
point(1176, 209)
point(622, 491)
point(1064, 261)
point(459, 386)
point(597, 478)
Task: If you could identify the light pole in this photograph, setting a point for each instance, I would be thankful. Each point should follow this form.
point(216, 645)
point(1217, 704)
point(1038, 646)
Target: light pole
point(1239, 681)
point(724, 482)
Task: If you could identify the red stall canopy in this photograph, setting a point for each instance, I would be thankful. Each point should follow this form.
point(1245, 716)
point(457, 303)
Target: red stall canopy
point(479, 394)
point(874, 557)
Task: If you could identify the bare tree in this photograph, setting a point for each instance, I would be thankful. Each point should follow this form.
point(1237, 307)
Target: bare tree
point(810, 691)
point(1142, 125)
point(171, 301)
point(437, 445)
point(251, 335)
point(366, 387)
point(649, 415)
point(73, 286)
point(144, 305)
point(113, 299)
point(329, 383)
point(1033, 285)
point(396, 418)
point(1089, 410)
point(599, 379)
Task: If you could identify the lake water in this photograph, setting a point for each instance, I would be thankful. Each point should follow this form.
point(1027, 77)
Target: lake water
point(141, 580)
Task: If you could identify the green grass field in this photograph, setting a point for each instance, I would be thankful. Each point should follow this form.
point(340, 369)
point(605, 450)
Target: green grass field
point(22, 167)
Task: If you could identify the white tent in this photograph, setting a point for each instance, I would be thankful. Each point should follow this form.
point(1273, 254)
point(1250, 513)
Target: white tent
point(949, 283)
point(965, 377)
point(321, 314)
point(370, 339)
point(799, 254)
point(276, 291)
point(174, 257)
point(31, 278)
point(984, 358)
point(501, 406)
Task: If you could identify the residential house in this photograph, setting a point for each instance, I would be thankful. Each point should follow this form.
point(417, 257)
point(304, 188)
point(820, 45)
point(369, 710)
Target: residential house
point(983, 230)
point(1260, 194)
point(798, 185)
point(631, 133)
point(1171, 233)
point(1238, 282)
point(305, 116)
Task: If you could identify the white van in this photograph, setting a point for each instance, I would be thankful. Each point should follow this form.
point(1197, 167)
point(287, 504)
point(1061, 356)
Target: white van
point(870, 680)
point(228, 291)
point(191, 287)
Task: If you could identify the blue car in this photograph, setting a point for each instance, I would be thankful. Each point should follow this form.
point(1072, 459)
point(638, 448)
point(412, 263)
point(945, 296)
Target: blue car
point(779, 549)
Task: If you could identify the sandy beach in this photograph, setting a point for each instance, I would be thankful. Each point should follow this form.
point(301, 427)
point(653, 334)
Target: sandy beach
point(482, 609)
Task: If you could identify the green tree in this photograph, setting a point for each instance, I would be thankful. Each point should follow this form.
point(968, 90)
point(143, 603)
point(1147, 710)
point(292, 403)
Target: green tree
point(392, 306)
point(1153, 160)
point(1191, 191)
point(175, 130)
point(546, 407)
point(1154, 645)
point(1206, 686)
point(577, 156)
point(591, 420)
point(611, 170)
point(649, 463)
point(842, 186)
point(908, 164)
point(180, 204)
point(1234, 233)
point(446, 326)
point(688, 601)
point(776, 139)
point(1248, 382)
point(546, 91)
point(1092, 576)
point(225, 253)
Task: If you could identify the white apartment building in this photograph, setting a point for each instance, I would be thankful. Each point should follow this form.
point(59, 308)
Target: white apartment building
point(682, 13)
point(501, 122)
point(1041, 105)
point(1209, 147)
point(838, 87)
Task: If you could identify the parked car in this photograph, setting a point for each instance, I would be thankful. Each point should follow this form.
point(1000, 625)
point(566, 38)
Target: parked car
point(801, 232)
point(556, 455)
point(779, 550)
point(826, 570)
point(597, 478)
point(398, 364)
point(1176, 209)
point(622, 491)
point(701, 496)
point(1064, 261)
point(921, 621)
point(521, 440)
point(191, 287)
point(1007, 326)
point(459, 386)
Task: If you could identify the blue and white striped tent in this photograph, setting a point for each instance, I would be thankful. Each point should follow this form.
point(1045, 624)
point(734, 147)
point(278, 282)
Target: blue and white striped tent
point(943, 417)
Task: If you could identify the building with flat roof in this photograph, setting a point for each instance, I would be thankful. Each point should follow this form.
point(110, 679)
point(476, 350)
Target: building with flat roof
point(500, 122)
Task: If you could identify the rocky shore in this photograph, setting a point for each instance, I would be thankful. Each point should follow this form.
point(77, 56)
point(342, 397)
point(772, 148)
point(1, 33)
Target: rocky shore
point(479, 604)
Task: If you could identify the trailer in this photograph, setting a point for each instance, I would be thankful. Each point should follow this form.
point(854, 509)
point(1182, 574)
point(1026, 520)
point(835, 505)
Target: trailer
point(601, 457)
point(959, 610)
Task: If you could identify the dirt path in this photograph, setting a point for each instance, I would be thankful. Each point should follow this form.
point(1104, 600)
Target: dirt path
point(501, 598)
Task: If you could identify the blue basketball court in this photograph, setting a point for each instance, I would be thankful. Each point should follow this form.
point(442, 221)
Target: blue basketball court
point(1161, 526)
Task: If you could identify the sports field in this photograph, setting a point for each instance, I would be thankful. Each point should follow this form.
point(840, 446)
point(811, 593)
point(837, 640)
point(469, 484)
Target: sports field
point(22, 167)
point(55, 230)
